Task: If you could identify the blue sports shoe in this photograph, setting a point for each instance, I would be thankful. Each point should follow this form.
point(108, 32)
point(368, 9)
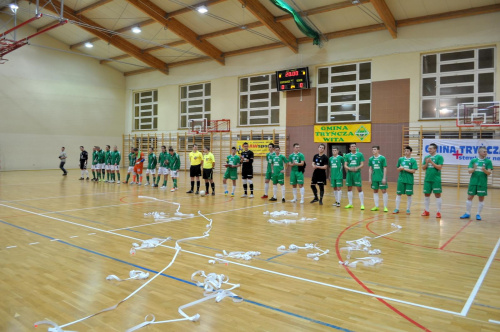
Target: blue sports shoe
point(478, 217)
point(465, 216)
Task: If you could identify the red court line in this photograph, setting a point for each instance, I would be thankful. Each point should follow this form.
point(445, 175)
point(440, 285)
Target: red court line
point(451, 239)
point(366, 287)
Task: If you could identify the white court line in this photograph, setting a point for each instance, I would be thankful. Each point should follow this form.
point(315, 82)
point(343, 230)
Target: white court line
point(10, 247)
point(32, 243)
point(494, 321)
point(254, 267)
point(71, 237)
point(473, 294)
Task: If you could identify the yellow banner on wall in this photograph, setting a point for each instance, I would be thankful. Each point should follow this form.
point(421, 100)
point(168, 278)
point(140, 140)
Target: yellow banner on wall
point(348, 133)
point(259, 148)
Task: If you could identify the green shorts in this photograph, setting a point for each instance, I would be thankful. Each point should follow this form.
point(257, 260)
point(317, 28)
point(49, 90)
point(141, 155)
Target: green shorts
point(432, 187)
point(477, 190)
point(296, 177)
point(379, 185)
point(353, 179)
point(231, 173)
point(278, 178)
point(404, 189)
point(269, 174)
point(337, 183)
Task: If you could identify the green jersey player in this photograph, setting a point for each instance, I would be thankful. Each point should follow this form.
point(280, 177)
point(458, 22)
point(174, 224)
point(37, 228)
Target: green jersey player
point(336, 163)
point(107, 162)
point(232, 164)
point(152, 161)
point(116, 157)
point(174, 163)
point(95, 161)
point(479, 169)
point(377, 176)
point(279, 168)
point(163, 168)
point(433, 163)
point(101, 157)
point(407, 166)
point(297, 161)
point(131, 163)
point(269, 170)
point(353, 162)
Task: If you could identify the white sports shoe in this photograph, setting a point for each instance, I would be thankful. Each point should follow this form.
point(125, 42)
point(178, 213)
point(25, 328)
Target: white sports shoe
point(244, 195)
point(251, 196)
point(132, 182)
point(301, 201)
point(117, 182)
point(111, 181)
point(163, 187)
point(293, 201)
point(146, 184)
point(173, 189)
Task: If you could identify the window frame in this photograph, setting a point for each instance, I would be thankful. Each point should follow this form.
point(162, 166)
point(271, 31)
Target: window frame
point(438, 96)
point(357, 102)
point(271, 89)
point(203, 98)
point(153, 117)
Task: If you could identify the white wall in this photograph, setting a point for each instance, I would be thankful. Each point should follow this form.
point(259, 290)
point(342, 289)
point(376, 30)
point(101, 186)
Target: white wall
point(391, 59)
point(50, 99)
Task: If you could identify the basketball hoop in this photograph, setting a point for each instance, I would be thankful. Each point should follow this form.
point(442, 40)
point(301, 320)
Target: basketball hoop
point(477, 123)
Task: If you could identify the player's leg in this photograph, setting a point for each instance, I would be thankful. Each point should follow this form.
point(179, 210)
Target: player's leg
point(275, 187)
point(375, 186)
point(359, 185)
point(314, 189)
point(385, 197)
point(281, 181)
point(245, 185)
point(293, 183)
point(321, 185)
point(427, 199)
point(480, 206)
point(266, 184)
point(234, 177)
point(212, 183)
point(191, 175)
point(349, 182)
point(250, 183)
point(205, 178)
point(436, 188)
point(198, 174)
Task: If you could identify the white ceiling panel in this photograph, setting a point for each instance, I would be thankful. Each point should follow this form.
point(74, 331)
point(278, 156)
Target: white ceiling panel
point(244, 39)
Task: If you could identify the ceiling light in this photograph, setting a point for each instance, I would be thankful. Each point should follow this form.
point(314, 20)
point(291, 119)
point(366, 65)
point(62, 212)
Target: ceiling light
point(14, 7)
point(136, 30)
point(202, 9)
point(89, 45)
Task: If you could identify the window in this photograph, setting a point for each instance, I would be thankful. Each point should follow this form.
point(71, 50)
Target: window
point(195, 103)
point(452, 78)
point(259, 101)
point(344, 93)
point(146, 110)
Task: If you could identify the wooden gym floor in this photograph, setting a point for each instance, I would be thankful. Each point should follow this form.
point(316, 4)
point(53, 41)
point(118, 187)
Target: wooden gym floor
point(60, 238)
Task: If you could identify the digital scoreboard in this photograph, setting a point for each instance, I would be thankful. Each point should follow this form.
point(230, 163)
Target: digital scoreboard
point(292, 79)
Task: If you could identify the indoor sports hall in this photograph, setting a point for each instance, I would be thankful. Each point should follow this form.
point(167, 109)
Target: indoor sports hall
point(106, 224)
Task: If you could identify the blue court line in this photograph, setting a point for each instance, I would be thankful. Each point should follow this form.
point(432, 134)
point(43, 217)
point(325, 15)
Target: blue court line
point(178, 279)
point(267, 260)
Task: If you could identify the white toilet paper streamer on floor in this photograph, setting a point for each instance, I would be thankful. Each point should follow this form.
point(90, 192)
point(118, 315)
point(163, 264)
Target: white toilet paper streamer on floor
point(234, 254)
point(295, 248)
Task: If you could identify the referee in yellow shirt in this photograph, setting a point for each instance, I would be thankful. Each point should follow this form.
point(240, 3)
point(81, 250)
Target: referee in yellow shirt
point(208, 169)
point(196, 159)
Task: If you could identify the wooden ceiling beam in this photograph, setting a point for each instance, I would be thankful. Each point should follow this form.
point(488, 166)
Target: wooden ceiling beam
point(449, 15)
point(386, 15)
point(267, 18)
point(91, 6)
point(117, 41)
point(160, 16)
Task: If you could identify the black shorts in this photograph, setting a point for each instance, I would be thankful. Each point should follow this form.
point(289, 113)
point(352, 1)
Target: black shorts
point(247, 173)
point(319, 176)
point(208, 174)
point(83, 164)
point(195, 171)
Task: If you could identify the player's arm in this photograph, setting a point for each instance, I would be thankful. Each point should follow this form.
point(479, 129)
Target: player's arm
point(412, 170)
point(424, 164)
point(346, 166)
point(370, 170)
point(361, 165)
point(384, 179)
point(472, 167)
point(488, 169)
point(436, 166)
